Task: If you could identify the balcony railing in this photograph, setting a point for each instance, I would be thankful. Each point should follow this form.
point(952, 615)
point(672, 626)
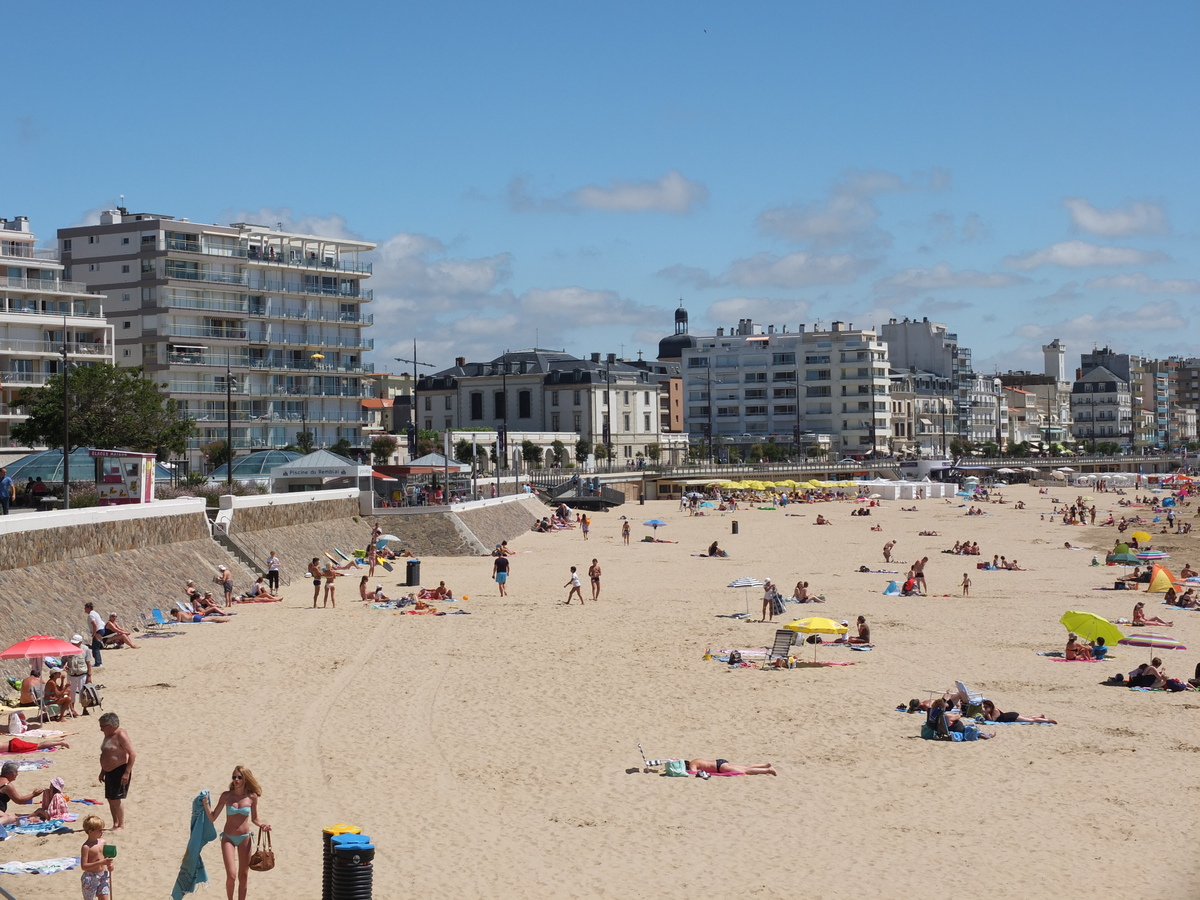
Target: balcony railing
point(17, 250)
point(300, 340)
point(45, 285)
point(203, 387)
point(240, 361)
point(54, 348)
point(206, 249)
point(9, 377)
point(230, 306)
point(310, 262)
point(299, 287)
point(301, 316)
point(303, 391)
point(202, 275)
point(203, 331)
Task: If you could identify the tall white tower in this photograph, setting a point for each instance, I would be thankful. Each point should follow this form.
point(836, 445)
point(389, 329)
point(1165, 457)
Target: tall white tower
point(1055, 354)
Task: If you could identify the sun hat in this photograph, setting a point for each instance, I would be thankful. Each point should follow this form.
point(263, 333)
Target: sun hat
point(58, 784)
point(77, 639)
point(222, 568)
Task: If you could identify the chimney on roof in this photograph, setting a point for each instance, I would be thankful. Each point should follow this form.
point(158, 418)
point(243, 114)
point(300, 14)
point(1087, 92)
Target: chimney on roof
point(612, 357)
point(837, 326)
point(460, 361)
point(596, 357)
point(720, 332)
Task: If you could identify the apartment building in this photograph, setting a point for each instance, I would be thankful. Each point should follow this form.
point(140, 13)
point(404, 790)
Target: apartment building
point(43, 318)
point(929, 347)
point(923, 414)
point(988, 422)
point(757, 385)
point(271, 319)
point(1102, 409)
point(603, 400)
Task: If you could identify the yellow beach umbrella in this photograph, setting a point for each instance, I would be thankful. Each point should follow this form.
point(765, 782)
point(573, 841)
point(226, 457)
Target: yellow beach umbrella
point(816, 625)
point(1141, 536)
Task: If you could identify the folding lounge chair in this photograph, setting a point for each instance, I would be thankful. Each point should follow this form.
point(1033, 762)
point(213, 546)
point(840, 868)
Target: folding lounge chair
point(784, 639)
point(46, 711)
point(974, 698)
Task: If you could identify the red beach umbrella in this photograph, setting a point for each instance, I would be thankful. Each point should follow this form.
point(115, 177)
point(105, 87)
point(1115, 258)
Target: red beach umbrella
point(39, 647)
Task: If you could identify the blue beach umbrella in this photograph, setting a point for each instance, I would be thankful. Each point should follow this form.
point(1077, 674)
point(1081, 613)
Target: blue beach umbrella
point(654, 523)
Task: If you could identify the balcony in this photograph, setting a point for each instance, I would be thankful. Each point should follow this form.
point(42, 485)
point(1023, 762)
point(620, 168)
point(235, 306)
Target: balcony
point(309, 262)
point(206, 249)
point(44, 285)
point(171, 301)
point(240, 362)
point(21, 250)
point(53, 348)
point(11, 378)
point(199, 275)
point(211, 386)
point(301, 316)
point(296, 287)
point(203, 331)
point(300, 340)
point(307, 391)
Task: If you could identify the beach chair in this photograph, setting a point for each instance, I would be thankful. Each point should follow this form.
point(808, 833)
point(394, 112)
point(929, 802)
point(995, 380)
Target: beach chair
point(974, 698)
point(46, 711)
point(782, 648)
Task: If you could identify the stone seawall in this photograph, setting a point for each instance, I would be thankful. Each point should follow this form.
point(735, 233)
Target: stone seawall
point(263, 518)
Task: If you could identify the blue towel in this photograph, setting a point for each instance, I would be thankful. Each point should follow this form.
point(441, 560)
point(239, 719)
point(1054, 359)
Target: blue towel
point(191, 870)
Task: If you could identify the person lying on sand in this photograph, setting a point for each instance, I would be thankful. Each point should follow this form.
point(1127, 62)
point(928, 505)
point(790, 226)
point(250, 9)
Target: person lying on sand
point(725, 767)
point(1140, 617)
point(992, 714)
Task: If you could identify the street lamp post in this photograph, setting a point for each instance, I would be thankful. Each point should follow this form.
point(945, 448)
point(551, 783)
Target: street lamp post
point(66, 424)
point(228, 422)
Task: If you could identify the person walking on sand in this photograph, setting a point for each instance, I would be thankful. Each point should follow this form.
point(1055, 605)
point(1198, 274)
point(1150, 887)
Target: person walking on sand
point(887, 551)
point(594, 575)
point(625, 533)
point(500, 573)
point(240, 805)
point(329, 573)
point(117, 757)
point(273, 572)
point(966, 585)
point(576, 588)
point(585, 525)
point(314, 572)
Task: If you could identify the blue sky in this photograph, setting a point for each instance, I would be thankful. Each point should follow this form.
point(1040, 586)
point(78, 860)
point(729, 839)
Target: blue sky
point(564, 174)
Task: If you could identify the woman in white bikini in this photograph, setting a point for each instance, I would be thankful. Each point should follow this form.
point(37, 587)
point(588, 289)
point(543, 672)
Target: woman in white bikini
point(240, 805)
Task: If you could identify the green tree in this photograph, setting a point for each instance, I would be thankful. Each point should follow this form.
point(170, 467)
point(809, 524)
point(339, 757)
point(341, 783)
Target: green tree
point(816, 450)
point(217, 453)
point(558, 450)
point(532, 454)
point(427, 441)
point(583, 448)
point(601, 451)
point(959, 447)
point(306, 441)
point(342, 448)
point(382, 448)
point(463, 451)
point(108, 407)
point(653, 451)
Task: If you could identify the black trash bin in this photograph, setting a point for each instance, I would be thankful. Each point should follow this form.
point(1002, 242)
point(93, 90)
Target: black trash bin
point(413, 573)
point(735, 526)
point(353, 855)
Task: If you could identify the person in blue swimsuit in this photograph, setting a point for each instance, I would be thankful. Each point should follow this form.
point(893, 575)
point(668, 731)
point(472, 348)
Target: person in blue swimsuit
point(240, 805)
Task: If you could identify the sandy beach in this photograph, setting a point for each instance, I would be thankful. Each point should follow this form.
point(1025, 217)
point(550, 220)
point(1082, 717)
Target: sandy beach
point(496, 754)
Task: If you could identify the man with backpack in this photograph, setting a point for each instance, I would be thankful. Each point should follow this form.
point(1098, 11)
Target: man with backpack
point(78, 669)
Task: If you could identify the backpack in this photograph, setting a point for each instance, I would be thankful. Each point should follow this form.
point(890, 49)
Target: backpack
point(89, 697)
point(735, 657)
point(676, 768)
point(76, 664)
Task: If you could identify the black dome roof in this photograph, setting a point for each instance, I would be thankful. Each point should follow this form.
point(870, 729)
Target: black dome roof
point(673, 345)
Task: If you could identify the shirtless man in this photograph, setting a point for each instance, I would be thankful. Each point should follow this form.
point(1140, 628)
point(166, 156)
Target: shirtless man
point(918, 571)
point(725, 767)
point(1187, 571)
point(117, 757)
point(594, 575)
point(887, 551)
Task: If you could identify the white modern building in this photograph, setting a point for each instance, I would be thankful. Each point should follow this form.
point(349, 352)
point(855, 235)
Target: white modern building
point(929, 347)
point(1102, 409)
point(43, 317)
point(758, 385)
point(273, 320)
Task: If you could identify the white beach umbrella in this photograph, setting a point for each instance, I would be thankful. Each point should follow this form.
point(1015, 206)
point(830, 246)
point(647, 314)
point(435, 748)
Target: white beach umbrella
point(746, 584)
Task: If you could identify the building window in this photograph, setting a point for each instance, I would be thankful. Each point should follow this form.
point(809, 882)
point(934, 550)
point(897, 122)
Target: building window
point(67, 244)
point(91, 239)
point(147, 239)
point(646, 422)
point(554, 421)
point(429, 424)
point(125, 297)
point(524, 404)
point(428, 404)
point(646, 398)
point(124, 240)
point(626, 420)
point(125, 269)
point(575, 399)
point(628, 451)
point(449, 423)
point(698, 362)
point(449, 405)
point(554, 398)
point(91, 267)
point(499, 407)
point(477, 406)
point(577, 423)
point(755, 377)
point(125, 352)
point(783, 359)
point(126, 324)
point(627, 398)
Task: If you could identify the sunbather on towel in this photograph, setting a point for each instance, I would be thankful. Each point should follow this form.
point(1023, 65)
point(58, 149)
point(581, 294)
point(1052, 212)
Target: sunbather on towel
point(994, 715)
point(725, 767)
point(1140, 617)
point(1076, 650)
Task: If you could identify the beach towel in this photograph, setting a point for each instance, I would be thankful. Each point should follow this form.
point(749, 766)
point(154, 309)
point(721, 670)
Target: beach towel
point(1064, 659)
point(40, 867)
point(54, 826)
point(191, 870)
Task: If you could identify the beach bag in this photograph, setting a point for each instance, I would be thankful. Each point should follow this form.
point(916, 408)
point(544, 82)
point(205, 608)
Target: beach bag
point(89, 697)
point(735, 657)
point(262, 860)
point(17, 724)
point(676, 768)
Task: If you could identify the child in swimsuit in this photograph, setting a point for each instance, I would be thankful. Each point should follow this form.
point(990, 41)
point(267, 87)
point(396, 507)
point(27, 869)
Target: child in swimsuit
point(96, 874)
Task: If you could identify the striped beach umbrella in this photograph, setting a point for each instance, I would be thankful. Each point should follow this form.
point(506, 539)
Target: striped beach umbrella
point(1152, 554)
point(1149, 639)
point(746, 584)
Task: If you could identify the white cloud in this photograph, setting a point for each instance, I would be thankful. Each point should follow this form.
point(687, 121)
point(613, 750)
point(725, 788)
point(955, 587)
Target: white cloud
point(1144, 284)
point(796, 270)
point(1134, 217)
point(672, 193)
point(848, 215)
point(333, 225)
point(1067, 293)
point(414, 269)
point(942, 277)
point(1109, 325)
point(761, 309)
point(689, 275)
point(571, 307)
point(89, 217)
point(1080, 254)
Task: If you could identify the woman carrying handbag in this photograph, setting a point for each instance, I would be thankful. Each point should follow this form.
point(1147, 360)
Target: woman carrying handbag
point(240, 805)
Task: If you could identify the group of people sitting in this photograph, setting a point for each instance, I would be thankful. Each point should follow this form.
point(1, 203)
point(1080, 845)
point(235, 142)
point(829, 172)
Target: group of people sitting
point(199, 606)
point(1153, 675)
point(966, 548)
point(53, 803)
point(1001, 563)
point(948, 717)
point(861, 511)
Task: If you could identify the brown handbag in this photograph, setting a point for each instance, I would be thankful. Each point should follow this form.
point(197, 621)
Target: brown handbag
point(262, 860)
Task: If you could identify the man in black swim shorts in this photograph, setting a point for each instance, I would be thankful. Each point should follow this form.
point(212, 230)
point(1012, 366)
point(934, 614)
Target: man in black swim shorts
point(117, 758)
